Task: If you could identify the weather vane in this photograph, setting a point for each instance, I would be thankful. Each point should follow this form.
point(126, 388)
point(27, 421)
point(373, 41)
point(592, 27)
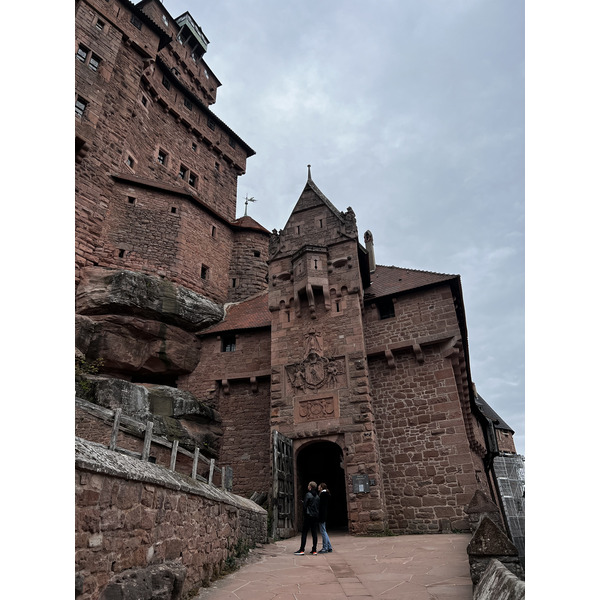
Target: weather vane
point(246, 203)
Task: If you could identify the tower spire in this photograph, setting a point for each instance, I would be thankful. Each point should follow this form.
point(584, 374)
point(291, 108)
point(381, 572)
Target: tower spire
point(309, 177)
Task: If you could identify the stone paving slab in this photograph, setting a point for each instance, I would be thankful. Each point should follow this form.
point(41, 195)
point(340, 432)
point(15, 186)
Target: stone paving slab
point(408, 567)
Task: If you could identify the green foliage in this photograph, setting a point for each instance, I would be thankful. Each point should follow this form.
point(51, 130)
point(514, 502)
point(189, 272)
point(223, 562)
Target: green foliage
point(83, 368)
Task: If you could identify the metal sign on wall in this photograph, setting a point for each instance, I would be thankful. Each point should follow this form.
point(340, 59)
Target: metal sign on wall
point(360, 484)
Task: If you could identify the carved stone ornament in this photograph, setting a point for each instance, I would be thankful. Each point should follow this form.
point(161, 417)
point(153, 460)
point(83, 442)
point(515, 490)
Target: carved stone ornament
point(316, 409)
point(315, 372)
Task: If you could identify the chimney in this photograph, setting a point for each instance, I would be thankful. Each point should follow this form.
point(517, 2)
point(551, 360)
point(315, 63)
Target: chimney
point(370, 250)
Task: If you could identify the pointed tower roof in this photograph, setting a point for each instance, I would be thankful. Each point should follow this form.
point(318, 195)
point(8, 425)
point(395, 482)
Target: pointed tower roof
point(312, 196)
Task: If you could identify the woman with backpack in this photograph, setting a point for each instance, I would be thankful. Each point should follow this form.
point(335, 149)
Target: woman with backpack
point(311, 518)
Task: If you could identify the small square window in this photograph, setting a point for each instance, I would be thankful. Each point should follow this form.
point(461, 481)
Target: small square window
point(82, 53)
point(162, 157)
point(193, 179)
point(228, 343)
point(99, 25)
point(121, 253)
point(183, 172)
point(80, 106)
point(166, 82)
point(204, 272)
point(256, 253)
point(194, 146)
point(131, 199)
point(94, 62)
point(173, 210)
point(187, 103)
point(386, 308)
point(135, 21)
point(130, 162)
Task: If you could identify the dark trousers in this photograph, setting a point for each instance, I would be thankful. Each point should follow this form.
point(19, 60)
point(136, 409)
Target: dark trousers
point(312, 524)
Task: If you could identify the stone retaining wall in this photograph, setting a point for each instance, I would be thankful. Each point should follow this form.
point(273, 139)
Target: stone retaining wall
point(498, 583)
point(134, 515)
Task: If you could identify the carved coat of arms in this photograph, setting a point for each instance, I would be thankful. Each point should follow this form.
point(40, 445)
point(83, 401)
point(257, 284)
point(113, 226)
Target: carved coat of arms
point(316, 371)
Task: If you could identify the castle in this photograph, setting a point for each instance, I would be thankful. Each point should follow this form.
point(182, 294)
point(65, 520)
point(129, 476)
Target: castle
point(320, 364)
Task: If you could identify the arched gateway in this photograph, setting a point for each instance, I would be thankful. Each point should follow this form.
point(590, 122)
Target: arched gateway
point(323, 461)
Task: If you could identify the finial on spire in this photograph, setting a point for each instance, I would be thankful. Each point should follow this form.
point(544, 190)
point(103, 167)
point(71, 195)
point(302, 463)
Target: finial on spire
point(309, 172)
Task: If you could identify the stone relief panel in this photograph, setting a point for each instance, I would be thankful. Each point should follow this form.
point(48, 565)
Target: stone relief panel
point(316, 408)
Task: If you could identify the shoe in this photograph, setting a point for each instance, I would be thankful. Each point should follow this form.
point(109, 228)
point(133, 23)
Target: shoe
point(299, 552)
point(323, 551)
point(330, 550)
point(313, 552)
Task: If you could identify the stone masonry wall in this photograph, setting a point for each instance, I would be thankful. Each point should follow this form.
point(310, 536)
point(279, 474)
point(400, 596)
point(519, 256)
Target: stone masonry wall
point(131, 514)
point(429, 471)
point(249, 265)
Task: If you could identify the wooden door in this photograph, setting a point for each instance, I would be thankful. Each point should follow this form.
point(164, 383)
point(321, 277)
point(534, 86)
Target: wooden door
point(283, 487)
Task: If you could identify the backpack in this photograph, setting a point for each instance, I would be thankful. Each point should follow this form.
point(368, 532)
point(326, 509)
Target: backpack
point(312, 507)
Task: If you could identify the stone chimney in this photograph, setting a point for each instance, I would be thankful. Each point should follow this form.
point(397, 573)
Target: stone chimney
point(370, 250)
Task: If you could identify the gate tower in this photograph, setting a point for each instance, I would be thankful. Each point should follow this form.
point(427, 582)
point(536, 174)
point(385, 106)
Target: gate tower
point(320, 381)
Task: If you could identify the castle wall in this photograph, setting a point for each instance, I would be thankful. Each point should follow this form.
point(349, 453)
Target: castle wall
point(132, 515)
point(248, 274)
point(428, 469)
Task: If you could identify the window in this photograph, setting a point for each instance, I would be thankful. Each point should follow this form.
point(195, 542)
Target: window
point(82, 53)
point(231, 142)
point(99, 25)
point(187, 103)
point(233, 282)
point(204, 272)
point(194, 146)
point(131, 199)
point(210, 123)
point(135, 21)
point(173, 210)
point(80, 106)
point(183, 172)
point(94, 62)
point(121, 253)
point(129, 161)
point(257, 253)
point(144, 100)
point(213, 231)
point(228, 343)
point(193, 179)
point(162, 157)
point(166, 82)
point(386, 308)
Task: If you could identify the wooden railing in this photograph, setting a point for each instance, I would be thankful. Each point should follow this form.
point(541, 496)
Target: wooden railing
point(127, 424)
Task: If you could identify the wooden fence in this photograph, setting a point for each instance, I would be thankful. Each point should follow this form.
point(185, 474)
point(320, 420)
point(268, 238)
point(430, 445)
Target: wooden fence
point(127, 424)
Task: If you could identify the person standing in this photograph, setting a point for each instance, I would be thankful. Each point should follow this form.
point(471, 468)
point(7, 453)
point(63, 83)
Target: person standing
point(311, 518)
point(324, 497)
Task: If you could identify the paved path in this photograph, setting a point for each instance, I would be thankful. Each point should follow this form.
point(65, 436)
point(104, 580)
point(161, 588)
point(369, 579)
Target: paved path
point(408, 567)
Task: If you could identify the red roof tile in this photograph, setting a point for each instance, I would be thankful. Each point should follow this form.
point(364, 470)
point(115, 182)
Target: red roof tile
point(248, 314)
point(393, 280)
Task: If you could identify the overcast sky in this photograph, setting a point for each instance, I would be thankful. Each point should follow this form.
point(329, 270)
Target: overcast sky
point(412, 113)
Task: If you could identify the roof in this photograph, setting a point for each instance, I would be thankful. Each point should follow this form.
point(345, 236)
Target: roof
point(386, 281)
point(491, 414)
point(248, 314)
point(249, 223)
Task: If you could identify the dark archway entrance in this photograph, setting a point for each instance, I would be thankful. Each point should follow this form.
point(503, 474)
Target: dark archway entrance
point(323, 462)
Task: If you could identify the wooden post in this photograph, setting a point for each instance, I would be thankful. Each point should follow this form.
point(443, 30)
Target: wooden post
point(195, 464)
point(147, 440)
point(212, 470)
point(174, 454)
point(115, 430)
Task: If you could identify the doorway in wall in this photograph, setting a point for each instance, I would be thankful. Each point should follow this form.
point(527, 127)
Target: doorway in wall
point(323, 462)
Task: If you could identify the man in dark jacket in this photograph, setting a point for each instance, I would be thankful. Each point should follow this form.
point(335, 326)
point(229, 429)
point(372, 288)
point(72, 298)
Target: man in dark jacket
point(311, 517)
point(324, 497)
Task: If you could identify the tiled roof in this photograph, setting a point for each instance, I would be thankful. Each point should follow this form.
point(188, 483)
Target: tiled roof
point(249, 314)
point(249, 223)
point(393, 280)
point(490, 413)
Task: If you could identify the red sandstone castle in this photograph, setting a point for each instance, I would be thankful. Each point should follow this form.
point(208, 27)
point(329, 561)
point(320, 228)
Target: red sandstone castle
point(314, 362)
